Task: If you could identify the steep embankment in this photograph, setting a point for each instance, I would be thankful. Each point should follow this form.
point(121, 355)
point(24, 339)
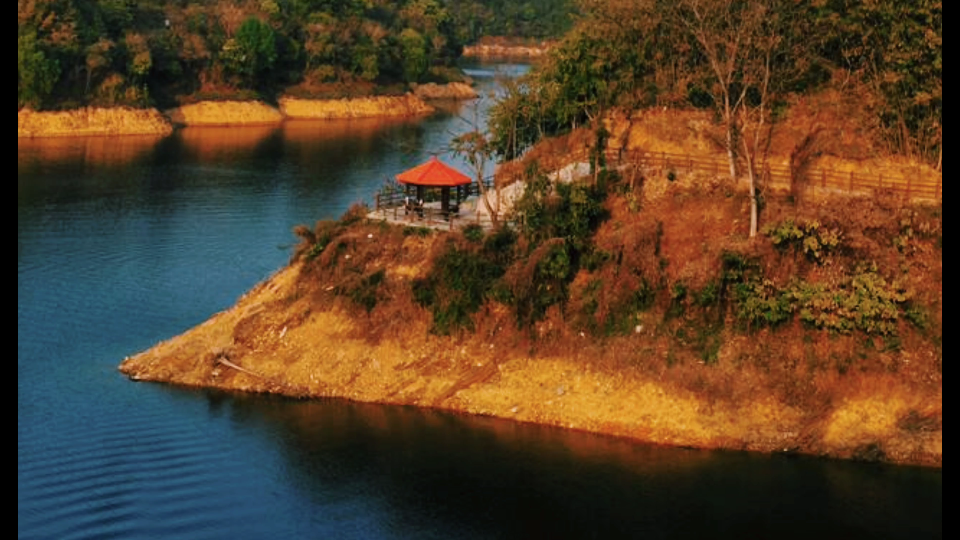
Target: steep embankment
point(505, 48)
point(292, 346)
point(454, 90)
point(362, 107)
point(225, 113)
point(92, 121)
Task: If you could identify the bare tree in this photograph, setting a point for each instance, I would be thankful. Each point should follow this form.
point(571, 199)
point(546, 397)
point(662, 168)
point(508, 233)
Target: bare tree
point(744, 47)
point(475, 147)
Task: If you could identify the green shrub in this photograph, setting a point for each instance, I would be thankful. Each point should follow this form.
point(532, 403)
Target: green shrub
point(473, 232)
point(416, 231)
point(678, 300)
point(594, 259)
point(364, 293)
point(456, 287)
point(760, 303)
point(808, 237)
point(571, 211)
point(708, 295)
point(625, 316)
point(917, 316)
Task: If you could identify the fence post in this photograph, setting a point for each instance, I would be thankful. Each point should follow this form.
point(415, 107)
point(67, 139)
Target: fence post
point(909, 183)
point(881, 180)
point(851, 180)
point(376, 203)
point(689, 163)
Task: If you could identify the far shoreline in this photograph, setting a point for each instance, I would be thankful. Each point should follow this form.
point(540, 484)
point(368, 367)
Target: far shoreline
point(124, 121)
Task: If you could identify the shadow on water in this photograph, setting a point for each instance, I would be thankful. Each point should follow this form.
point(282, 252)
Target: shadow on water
point(489, 478)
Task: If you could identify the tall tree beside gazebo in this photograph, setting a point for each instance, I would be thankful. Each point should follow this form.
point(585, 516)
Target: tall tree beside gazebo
point(476, 149)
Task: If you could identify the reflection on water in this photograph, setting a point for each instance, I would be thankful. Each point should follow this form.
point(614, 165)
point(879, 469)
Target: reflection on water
point(314, 131)
point(221, 143)
point(433, 472)
point(83, 151)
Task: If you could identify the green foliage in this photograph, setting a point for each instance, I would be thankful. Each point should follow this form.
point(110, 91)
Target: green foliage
point(736, 268)
point(476, 19)
point(644, 52)
point(760, 303)
point(678, 300)
point(104, 51)
point(461, 280)
point(473, 233)
point(809, 237)
point(898, 46)
point(364, 292)
point(571, 211)
point(409, 230)
point(865, 302)
point(709, 295)
point(541, 283)
point(36, 73)
point(315, 251)
point(414, 54)
point(251, 53)
point(913, 227)
point(594, 259)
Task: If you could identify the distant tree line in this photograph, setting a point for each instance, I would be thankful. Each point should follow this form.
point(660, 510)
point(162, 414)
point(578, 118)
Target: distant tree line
point(142, 52)
point(741, 58)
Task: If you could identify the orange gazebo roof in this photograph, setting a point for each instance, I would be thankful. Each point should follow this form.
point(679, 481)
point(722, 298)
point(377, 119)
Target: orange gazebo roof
point(433, 173)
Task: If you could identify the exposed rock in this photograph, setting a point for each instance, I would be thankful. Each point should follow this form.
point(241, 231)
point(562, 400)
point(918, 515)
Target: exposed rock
point(225, 113)
point(365, 107)
point(454, 90)
point(91, 121)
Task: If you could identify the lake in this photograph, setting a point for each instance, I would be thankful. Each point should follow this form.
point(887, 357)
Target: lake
point(124, 242)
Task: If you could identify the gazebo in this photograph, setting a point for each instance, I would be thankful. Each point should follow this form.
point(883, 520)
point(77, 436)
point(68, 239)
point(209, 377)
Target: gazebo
point(435, 174)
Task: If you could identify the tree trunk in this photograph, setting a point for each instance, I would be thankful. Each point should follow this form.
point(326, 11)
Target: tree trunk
point(494, 214)
point(731, 151)
point(751, 175)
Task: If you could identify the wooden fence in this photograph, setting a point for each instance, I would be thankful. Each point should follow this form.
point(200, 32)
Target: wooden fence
point(925, 185)
point(922, 186)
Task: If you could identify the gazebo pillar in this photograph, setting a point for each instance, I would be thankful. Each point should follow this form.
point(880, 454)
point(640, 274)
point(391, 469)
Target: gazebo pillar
point(445, 200)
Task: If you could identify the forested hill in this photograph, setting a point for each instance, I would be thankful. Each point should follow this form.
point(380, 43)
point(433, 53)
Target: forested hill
point(877, 63)
point(153, 52)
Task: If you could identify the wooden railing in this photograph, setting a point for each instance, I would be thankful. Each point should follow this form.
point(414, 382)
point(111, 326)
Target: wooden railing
point(924, 185)
point(392, 195)
point(398, 204)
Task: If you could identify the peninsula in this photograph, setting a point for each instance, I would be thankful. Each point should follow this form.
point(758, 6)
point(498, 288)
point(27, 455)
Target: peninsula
point(664, 324)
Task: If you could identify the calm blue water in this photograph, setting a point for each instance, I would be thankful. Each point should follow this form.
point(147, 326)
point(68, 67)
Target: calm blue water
point(125, 242)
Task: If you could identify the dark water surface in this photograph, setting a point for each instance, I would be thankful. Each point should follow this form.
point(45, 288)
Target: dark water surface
point(123, 242)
